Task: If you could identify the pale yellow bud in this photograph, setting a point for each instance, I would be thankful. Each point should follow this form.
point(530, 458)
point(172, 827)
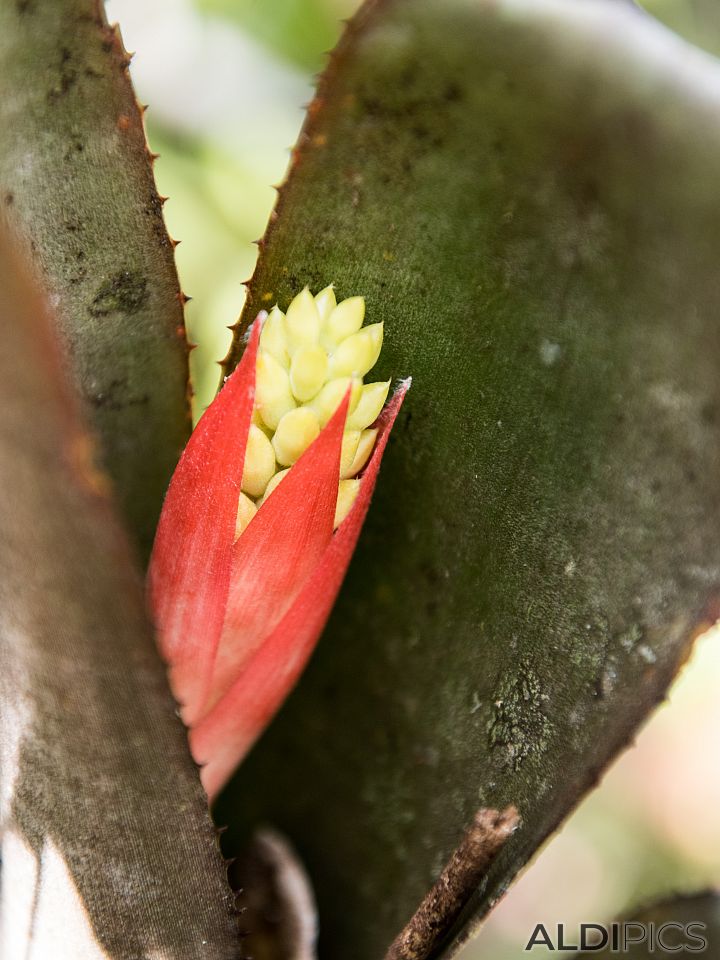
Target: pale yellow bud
point(246, 511)
point(362, 453)
point(350, 441)
point(370, 404)
point(358, 353)
point(273, 397)
point(346, 319)
point(280, 475)
point(325, 302)
point(308, 371)
point(302, 321)
point(259, 463)
point(347, 493)
point(259, 422)
point(294, 434)
point(328, 400)
point(273, 339)
point(309, 359)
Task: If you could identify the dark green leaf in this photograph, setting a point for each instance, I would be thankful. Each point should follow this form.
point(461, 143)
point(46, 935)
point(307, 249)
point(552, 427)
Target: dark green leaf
point(76, 181)
point(528, 194)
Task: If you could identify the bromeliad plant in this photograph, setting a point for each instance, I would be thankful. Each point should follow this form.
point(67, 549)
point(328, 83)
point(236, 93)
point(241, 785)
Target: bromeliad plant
point(526, 191)
point(246, 566)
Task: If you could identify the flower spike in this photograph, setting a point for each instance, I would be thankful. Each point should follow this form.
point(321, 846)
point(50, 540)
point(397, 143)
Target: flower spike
point(278, 551)
point(262, 518)
point(224, 737)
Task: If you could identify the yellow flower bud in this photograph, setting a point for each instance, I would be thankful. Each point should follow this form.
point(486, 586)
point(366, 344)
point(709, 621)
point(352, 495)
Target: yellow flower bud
point(370, 404)
point(350, 441)
point(347, 492)
point(273, 397)
point(325, 302)
point(302, 321)
point(346, 319)
point(273, 339)
point(362, 453)
point(295, 432)
point(259, 463)
point(358, 353)
point(246, 511)
point(258, 420)
point(280, 475)
point(308, 371)
point(309, 358)
point(328, 400)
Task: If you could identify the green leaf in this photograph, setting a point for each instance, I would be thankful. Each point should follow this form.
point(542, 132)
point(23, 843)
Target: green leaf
point(76, 181)
point(107, 846)
point(528, 194)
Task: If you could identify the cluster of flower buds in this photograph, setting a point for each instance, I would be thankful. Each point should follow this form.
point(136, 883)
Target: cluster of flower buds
point(262, 517)
point(310, 357)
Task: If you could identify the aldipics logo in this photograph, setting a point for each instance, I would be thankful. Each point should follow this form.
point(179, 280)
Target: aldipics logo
point(670, 937)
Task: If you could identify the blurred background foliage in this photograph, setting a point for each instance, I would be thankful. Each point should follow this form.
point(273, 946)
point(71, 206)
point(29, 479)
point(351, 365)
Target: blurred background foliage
point(696, 20)
point(226, 81)
point(298, 31)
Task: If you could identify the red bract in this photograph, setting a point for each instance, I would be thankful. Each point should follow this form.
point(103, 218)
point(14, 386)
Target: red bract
point(237, 622)
point(189, 575)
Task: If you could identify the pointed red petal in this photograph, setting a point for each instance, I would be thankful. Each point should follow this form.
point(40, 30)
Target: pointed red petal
point(278, 551)
point(225, 735)
point(189, 573)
